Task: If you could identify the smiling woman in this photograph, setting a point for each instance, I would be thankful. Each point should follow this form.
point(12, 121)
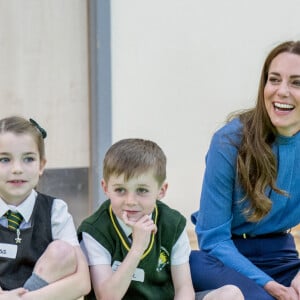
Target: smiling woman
point(282, 93)
point(248, 206)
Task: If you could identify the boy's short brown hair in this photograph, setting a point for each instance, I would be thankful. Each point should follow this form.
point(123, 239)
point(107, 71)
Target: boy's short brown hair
point(132, 157)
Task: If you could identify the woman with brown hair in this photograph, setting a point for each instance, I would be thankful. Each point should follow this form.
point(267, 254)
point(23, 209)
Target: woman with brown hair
point(250, 193)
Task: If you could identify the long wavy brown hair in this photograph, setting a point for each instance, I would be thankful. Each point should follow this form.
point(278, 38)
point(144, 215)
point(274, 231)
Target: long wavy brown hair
point(256, 163)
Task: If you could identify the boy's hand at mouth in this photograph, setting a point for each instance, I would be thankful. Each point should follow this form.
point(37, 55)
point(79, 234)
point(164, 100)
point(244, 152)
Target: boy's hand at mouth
point(141, 231)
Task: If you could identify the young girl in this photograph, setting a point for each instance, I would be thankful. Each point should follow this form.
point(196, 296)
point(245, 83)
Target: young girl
point(41, 253)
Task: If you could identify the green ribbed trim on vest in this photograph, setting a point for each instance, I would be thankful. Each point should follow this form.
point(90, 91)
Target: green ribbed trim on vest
point(156, 264)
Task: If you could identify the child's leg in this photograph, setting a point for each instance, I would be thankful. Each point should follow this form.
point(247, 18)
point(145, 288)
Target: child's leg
point(13, 294)
point(58, 261)
point(227, 292)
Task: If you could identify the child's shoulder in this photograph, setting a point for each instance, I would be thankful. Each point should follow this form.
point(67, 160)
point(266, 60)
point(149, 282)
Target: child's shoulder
point(169, 215)
point(43, 196)
point(44, 200)
point(171, 223)
point(99, 216)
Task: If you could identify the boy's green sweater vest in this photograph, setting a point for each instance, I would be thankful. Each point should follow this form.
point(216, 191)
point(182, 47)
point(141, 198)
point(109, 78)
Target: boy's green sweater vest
point(157, 282)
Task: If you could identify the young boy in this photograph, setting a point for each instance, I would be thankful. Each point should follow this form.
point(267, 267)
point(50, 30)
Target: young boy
point(137, 247)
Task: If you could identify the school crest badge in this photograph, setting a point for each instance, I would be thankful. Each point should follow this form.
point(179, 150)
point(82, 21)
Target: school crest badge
point(163, 260)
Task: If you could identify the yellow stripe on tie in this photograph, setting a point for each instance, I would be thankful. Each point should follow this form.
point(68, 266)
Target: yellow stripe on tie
point(14, 220)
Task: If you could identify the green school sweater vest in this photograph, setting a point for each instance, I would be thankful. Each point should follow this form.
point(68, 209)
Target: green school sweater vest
point(157, 283)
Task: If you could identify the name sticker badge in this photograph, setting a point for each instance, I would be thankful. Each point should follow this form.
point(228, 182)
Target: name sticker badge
point(138, 275)
point(8, 250)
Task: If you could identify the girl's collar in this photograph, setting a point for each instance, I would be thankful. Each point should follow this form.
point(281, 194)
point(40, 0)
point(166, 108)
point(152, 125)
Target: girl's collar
point(25, 208)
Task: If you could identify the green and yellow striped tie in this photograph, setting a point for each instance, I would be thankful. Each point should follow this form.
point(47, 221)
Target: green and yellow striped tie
point(14, 219)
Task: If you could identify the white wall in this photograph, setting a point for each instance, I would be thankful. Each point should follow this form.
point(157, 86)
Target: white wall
point(180, 66)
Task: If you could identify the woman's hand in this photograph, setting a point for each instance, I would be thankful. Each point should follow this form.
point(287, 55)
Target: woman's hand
point(280, 291)
point(295, 284)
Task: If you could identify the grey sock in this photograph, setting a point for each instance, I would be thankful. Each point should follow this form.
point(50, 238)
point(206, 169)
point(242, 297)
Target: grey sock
point(34, 282)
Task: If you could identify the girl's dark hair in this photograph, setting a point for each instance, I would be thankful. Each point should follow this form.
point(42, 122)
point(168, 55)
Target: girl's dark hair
point(19, 125)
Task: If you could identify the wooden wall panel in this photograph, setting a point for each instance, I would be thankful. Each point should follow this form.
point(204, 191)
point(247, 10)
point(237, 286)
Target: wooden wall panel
point(44, 73)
